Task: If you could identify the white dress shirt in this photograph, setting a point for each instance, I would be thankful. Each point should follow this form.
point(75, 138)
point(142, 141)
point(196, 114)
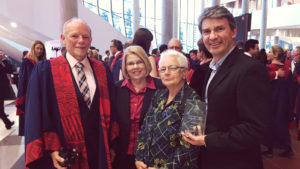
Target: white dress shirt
point(293, 63)
point(215, 67)
point(88, 73)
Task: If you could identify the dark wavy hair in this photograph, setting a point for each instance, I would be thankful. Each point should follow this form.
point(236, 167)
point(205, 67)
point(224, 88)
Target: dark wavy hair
point(143, 37)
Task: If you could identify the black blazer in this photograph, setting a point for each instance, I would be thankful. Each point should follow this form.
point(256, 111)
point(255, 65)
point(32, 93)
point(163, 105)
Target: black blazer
point(239, 116)
point(5, 69)
point(123, 112)
point(197, 80)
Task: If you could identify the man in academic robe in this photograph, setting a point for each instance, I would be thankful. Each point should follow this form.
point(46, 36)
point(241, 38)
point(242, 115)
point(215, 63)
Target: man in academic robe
point(116, 49)
point(69, 106)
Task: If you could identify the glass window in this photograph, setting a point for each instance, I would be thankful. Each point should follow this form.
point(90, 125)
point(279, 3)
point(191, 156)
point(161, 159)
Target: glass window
point(128, 18)
point(142, 14)
point(92, 5)
point(105, 10)
point(117, 15)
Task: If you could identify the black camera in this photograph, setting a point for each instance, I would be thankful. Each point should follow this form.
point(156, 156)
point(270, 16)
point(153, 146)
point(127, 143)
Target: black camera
point(70, 155)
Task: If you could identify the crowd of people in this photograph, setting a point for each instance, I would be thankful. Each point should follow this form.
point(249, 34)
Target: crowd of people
point(212, 108)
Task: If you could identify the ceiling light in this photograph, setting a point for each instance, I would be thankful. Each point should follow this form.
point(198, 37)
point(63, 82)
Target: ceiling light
point(13, 24)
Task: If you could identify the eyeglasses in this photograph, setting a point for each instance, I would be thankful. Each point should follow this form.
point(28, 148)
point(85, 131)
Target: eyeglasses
point(171, 68)
point(175, 47)
point(138, 63)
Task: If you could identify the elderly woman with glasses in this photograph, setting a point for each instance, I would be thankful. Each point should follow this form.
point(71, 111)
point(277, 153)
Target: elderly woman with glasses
point(133, 97)
point(160, 144)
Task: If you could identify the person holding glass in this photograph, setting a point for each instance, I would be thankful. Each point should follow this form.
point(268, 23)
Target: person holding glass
point(172, 110)
point(133, 97)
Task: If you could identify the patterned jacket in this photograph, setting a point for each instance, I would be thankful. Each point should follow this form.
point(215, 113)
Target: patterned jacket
point(159, 141)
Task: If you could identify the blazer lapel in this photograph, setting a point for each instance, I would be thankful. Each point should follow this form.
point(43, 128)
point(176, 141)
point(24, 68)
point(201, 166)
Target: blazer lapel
point(223, 71)
point(146, 101)
point(125, 115)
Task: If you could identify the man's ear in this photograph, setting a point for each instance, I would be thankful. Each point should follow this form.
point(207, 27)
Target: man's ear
point(62, 37)
point(234, 31)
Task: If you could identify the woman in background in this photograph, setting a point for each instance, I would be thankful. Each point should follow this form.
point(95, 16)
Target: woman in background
point(278, 72)
point(143, 37)
point(133, 97)
point(36, 53)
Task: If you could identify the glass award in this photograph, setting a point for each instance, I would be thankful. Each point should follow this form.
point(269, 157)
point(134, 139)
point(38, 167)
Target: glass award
point(194, 116)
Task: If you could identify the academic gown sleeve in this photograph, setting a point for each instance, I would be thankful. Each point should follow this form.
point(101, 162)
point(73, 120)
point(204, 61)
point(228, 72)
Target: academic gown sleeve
point(43, 130)
point(24, 75)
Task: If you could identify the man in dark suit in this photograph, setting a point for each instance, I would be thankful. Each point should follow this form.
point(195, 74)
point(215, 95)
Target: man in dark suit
point(5, 68)
point(238, 98)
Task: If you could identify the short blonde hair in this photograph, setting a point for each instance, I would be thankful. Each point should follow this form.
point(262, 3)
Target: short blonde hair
point(138, 51)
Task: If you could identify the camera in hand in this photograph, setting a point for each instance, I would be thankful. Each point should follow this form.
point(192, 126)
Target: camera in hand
point(70, 155)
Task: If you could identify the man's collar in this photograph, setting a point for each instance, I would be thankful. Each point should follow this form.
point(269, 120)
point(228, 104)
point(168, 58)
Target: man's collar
point(213, 65)
point(248, 54)
point(72, 61)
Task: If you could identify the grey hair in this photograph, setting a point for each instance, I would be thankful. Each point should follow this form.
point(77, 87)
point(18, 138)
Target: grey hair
point(182, 60)
point(217, 12)
point(297, 49)
point(174, 39)
point(75, 19)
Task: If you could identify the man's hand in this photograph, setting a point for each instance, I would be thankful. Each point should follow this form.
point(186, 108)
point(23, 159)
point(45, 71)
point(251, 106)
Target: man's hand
point(112, 155)
point(56, 158)
point(140, 165)
point(192, 139)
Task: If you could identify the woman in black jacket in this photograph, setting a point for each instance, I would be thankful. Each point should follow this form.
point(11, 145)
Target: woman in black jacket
point(133, 97)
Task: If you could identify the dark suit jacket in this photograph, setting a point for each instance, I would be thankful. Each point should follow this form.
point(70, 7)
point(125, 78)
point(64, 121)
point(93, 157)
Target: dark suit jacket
point(5, 69)
point(123, 112)
point(197, 80)
point(238, 117)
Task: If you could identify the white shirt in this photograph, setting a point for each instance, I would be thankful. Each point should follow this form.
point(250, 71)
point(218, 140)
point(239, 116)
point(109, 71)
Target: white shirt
point(215, 67)
point(87, 70)
point(293, 63)
point(248, 54)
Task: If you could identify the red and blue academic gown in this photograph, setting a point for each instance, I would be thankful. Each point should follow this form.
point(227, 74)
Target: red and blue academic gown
point(24, 75)
point(280, 99)
point(57, 116)
point(116, 65)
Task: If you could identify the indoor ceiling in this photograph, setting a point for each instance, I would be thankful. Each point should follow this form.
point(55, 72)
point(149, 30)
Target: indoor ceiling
point(13, 40)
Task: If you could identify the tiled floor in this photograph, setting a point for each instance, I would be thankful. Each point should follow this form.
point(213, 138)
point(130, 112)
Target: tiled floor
point(12, 148)
point(11, 145)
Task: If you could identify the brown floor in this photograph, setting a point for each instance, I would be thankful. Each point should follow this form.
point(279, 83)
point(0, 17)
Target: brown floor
point(277, 162)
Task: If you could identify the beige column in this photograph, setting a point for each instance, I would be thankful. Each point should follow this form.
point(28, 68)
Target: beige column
point(68, 9)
